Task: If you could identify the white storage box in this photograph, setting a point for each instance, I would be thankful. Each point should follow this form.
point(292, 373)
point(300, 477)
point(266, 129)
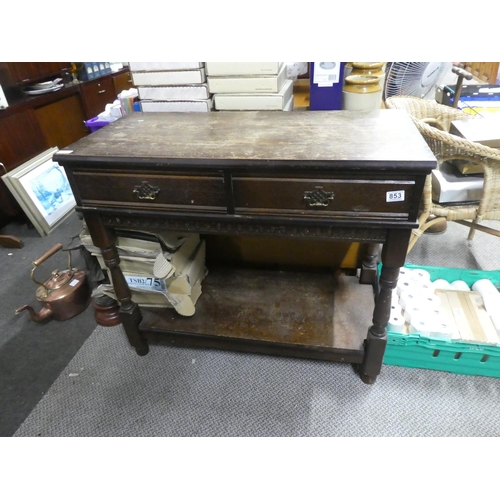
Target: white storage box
point(242, 68)
point(254, 102)
point(177, 106)
point(484, 130)
point(246, 84)
point(174, 92)
point(164, 66)
point(450, 186)
point(159, 78)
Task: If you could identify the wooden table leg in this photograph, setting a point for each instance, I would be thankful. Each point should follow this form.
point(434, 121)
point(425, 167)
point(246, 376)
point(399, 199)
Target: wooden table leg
point(130, 313)
point(393, 257)
point(369, 263)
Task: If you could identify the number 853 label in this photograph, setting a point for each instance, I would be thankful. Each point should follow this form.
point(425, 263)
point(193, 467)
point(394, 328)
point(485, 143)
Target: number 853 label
point(395, 196)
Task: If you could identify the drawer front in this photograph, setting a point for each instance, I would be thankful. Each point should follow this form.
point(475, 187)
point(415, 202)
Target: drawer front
point(323, 197)
point(122, 82)
point(96, 95)
point(151, 191)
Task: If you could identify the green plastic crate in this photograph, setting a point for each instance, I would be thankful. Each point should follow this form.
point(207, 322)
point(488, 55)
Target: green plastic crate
point(466, 358)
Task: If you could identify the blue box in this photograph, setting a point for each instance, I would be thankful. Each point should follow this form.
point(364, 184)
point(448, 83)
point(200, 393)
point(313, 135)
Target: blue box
point(326, 95)
point(97, 71)
point(86, 73)
point(107, 68)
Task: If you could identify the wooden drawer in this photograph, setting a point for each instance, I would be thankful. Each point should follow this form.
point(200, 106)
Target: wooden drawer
point(152, 191)
point(319, 197)
point(123, 82)
point(96, 94)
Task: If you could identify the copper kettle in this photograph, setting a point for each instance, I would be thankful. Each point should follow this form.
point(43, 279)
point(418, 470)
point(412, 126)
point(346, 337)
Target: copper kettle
point(64, 295)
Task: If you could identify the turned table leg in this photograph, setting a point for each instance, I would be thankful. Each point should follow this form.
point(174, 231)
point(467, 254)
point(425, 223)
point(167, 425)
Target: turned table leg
point(130, 313)
point(369, 263)
point(393, 257)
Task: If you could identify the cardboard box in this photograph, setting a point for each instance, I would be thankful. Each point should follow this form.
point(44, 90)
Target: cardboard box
point(146, 243)
point(159, 78)
point(180, 291)
point(139, 251)
point(325, 92)
point(242, 68)
point(200, 106)
point(451, 186)
point(174, 93)
point(164, 66)
point(466, 167)
point(86, 73)
point(185, 305)
point(267, 101)
point(246, 84)
point(485, 131)
point(95, 68)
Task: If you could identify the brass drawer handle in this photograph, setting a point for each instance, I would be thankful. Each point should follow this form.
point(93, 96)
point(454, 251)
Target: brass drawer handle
point(101, 91)
point(318, 198)
point(146, 191)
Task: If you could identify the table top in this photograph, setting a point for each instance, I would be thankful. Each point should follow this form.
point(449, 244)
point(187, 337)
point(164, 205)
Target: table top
point(379, 138)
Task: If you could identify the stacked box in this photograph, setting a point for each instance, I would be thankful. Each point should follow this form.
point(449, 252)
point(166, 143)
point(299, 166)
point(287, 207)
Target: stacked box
point(250, 86)
point(91, 70)
point(171, 86)
point(162, 269)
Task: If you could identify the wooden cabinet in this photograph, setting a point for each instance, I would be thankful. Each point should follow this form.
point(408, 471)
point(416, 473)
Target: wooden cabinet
point(123, 81)
point(31, 131)
point(96, 94)
point(22, 139)
point(32, 124)
point(61, 122)
point(21, 73)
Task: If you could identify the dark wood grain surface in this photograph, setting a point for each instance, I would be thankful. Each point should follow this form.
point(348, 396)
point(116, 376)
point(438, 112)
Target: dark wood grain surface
point(310, 314)
point(377, 139)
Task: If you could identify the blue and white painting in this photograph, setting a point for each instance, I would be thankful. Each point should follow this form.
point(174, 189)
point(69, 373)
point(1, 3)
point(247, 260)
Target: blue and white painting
point(52, 189)
point(48, 188)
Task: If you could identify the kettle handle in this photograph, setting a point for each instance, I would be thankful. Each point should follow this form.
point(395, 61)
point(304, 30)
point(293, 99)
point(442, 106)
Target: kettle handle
point(47, 254)
point(43, 258)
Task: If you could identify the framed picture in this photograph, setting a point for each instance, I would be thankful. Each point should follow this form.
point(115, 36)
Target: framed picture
point(41, 188)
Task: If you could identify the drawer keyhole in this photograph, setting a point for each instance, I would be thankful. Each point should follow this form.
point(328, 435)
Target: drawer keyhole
point(146, 191)
point(318, 198)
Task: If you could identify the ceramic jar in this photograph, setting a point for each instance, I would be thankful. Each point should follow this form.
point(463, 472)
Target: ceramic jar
point(361, 92)
point(370, 69)
point(347, 69)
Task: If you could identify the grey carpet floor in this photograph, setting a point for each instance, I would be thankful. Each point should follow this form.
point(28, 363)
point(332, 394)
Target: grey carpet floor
point(107, 390)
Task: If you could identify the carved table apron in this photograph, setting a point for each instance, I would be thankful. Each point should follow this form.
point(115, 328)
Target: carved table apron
point(341, 175)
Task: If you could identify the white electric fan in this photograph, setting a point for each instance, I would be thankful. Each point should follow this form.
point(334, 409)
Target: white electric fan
point(419, 79)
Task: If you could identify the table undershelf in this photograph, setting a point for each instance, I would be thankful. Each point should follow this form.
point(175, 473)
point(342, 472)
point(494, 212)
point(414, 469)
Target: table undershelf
point(308, 314)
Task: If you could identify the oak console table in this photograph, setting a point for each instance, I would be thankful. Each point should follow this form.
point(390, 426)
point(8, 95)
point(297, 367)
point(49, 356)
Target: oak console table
point(355, 176)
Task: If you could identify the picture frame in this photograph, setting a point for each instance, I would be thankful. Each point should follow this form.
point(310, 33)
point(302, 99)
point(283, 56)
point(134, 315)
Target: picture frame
point(41, 188)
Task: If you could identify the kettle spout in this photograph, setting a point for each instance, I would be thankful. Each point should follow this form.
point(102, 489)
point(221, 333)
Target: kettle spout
point(44, 315)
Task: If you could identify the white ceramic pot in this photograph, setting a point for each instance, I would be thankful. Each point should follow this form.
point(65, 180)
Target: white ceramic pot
point(361, 93)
